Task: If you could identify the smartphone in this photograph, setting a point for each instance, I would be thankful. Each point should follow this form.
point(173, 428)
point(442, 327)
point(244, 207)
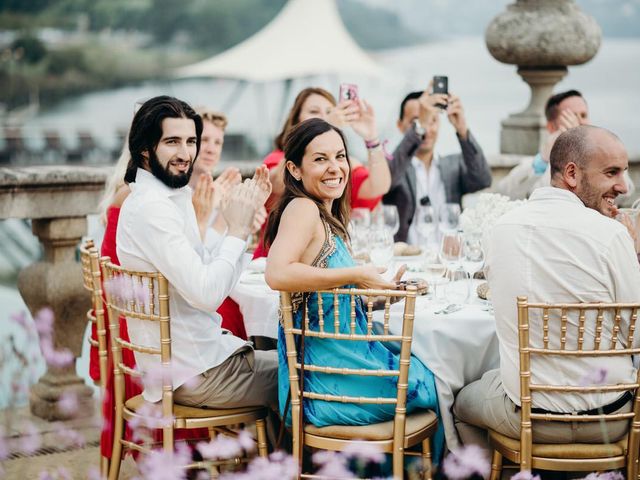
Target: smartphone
point(348, 91)
point(441, 85)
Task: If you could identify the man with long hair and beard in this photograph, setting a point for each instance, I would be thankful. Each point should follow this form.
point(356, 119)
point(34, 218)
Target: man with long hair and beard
point(158, 231)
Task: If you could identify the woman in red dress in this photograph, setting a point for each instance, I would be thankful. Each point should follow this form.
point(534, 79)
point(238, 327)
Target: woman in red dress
point(368, 182)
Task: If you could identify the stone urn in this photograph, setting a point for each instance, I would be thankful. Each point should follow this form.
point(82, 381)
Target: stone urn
point(541, 37)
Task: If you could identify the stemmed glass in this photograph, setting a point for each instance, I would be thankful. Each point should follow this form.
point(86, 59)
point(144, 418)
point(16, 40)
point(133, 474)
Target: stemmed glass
point(359, 230)
point(449, 216)
point(391, 218)
point(381, 242)
point(472, 255)
point(426, 225)
point(451, 248)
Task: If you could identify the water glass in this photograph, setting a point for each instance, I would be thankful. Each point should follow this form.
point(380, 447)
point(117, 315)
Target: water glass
point(381, 247)
point(472, 255)
point(426, 225)
point(457, 290)
point(449, 217)
point(391, 218)
point(451, 248)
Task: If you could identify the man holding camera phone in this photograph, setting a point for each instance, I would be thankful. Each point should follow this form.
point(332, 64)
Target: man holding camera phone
point(417, 172)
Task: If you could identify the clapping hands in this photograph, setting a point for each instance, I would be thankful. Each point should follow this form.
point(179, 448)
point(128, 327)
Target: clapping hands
point(241, 205)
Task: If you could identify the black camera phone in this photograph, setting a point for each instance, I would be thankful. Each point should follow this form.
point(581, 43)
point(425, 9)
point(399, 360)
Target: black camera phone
point(441, 85)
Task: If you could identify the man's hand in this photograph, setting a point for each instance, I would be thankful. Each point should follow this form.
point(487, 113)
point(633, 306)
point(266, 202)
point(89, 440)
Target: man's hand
point(567, 119)
point(239, 207)
point(262, 185)
point(631, 227)
point(455, 113)
point(225, 181)
point(258, 219)
point(202, 200)
point(428, 109)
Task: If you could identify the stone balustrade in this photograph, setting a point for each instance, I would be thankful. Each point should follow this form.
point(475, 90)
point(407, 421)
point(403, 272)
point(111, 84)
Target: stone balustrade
point(57, 199)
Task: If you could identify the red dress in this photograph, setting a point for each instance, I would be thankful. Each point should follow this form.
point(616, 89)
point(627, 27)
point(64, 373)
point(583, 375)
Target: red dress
point(358, 176)
point(131, 387)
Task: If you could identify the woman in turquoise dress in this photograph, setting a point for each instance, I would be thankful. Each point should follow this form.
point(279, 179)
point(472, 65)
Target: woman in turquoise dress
point(308, 239)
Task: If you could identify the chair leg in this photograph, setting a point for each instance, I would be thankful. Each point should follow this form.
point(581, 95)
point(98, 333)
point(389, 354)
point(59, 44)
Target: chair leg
point(427, 467)
point(213, 433)
point(104, 467)
point(116, 453)
point(261, 432)
point(398, 462)
point(496, 465)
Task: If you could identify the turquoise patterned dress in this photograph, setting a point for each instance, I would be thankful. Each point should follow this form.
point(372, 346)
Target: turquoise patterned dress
point(421, 393)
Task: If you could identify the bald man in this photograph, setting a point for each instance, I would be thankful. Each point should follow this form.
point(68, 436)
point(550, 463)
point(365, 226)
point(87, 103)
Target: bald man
point(563, 245)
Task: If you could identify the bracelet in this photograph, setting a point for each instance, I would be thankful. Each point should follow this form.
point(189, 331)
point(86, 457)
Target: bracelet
point(371, 144)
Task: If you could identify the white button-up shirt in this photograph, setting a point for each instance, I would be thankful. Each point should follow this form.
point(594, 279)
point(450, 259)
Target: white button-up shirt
point(554, 249)
point(158, 231)
point(428, 183)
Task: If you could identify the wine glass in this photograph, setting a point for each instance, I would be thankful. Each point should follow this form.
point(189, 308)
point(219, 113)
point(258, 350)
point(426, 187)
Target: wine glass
point(381, 242)
point(451, 248)
point(434, 273)
point(472, 255)
point(391, 218)
point(360, 218)
point(426, 225)
point(457, 290)
point(449, 217)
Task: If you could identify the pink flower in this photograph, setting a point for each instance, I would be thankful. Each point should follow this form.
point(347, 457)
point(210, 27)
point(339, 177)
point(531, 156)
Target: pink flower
point(525, 475)
point(141, 295)
point(44, 321)
point(465, 462)
point(333, 464)
point(55, 358)
point(160, 465)
point(94, 473)
point(221, 447)
point(279, 466)
point(44, 475)
point(68, 403)
point(69, 437)
point(150, 416)
point(30, 441)
point(246, 441)
point(613, 475)
point(364, 451)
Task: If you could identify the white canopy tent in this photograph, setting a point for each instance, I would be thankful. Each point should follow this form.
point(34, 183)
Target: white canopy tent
point(306, 38)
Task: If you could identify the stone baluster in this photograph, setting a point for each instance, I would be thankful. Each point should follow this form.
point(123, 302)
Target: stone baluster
point(541, 37)
point(57, 199)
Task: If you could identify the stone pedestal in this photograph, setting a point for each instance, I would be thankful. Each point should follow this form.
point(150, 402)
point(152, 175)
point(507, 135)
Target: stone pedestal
point(57, 199)
point(524, 132)
point(542, 37)
point(56, 282)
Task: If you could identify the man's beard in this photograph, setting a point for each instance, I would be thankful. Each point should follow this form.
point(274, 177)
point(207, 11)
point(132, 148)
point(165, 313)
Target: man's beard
point(165, 176)
point(591, 197)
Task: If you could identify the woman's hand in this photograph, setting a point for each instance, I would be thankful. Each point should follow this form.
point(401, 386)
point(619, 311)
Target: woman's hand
point(202, 200)
point(365, 122)
point(369, 277)
point(343, 113)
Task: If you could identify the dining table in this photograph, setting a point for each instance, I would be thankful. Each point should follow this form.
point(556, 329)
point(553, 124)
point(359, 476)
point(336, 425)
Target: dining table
point(458, 347)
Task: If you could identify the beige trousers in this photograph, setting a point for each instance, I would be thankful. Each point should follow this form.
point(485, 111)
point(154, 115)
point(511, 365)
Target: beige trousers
point(247, 378)
point(484, 404)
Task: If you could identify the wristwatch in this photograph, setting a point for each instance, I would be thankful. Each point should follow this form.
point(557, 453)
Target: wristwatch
point(418, 128)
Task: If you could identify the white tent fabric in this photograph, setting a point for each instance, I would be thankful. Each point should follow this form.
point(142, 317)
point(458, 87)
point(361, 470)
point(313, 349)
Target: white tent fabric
point(306, 38)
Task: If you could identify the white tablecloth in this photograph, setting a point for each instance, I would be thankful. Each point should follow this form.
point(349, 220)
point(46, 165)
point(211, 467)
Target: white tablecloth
point(258, 304)
point(458, 348)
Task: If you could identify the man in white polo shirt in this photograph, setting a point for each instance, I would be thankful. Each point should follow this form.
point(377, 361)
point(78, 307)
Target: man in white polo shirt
point(158, 231)
point(563, 245)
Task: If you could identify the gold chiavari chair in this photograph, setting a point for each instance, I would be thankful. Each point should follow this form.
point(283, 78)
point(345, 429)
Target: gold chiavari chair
point(394, 436)
point(92, 281)
point(144, 296)
point(607, 317)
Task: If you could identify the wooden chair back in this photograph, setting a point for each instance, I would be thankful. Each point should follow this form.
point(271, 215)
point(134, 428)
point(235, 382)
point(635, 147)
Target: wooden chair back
point(92, 282)
point(601, 330)
point(142, 296)
point(334, 329)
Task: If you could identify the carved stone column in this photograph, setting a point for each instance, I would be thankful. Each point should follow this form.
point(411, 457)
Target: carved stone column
point(542, 37)
point(57, 199)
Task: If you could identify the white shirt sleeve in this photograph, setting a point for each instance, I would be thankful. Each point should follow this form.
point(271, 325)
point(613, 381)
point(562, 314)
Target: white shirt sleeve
point(203, 282)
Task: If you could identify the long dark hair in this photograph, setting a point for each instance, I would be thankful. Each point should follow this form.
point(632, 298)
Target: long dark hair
point(146, 129)
point(294, 148)
point(294, 114)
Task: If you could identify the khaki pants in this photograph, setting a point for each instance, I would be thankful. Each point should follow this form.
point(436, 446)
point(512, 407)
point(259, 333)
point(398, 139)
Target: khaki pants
point(484, 404)
point(247, 378)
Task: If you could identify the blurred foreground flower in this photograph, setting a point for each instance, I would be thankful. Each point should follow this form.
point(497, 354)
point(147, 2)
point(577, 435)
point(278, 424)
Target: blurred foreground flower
point(525, 475)
point(466, 462)
point(605, 476)
point(595, 377)
point(160, 465)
